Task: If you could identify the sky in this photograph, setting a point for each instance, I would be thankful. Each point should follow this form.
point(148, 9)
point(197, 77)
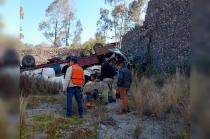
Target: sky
point(9, 12)
point(34, 12)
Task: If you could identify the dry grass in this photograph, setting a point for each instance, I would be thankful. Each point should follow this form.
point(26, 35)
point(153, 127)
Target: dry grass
point(3, 116)
point(199, 100)
point(34, 101)
point(82, 133)
point(36, 86)
point(22, 117)
point(138, 131)
point(157, 96)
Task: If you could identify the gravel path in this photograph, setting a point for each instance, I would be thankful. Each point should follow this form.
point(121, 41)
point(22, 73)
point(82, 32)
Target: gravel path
point(129, 125)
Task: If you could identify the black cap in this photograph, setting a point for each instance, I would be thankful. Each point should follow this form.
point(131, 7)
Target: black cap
point(72, 58)
point(120, 62)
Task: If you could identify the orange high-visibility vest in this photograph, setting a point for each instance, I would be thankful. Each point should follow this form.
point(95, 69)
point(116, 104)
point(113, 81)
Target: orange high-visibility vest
point(77, 76)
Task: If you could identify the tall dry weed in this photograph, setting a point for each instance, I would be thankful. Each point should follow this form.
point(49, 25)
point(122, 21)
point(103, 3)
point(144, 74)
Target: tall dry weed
point(199, 102)
point(152, 98)
point(3, 116)
point(22, 117)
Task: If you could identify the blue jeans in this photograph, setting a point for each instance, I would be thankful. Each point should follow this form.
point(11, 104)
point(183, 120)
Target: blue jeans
point(92, 96)
point(74, 91)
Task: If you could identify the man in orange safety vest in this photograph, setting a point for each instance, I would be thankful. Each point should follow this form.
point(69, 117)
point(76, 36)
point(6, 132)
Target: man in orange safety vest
point(73, 83)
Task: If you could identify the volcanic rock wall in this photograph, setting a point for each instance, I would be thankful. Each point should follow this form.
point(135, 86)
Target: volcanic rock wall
point(164, 39)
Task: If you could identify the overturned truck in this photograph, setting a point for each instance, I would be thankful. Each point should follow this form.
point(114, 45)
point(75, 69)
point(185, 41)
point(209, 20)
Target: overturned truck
point(54, 70)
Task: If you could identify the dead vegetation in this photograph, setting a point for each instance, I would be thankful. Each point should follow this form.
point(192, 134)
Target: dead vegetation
point(157, 96)
point(34, 101)
point(37, 86)
point(22, 117)
point(138, 131)
point(166, 99)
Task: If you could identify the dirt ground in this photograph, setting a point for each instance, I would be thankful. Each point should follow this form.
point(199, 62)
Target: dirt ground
point(45, 118)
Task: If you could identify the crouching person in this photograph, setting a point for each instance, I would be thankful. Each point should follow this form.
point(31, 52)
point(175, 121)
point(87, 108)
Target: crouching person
point(91, 92)
point(73, 83)
point(123, 83)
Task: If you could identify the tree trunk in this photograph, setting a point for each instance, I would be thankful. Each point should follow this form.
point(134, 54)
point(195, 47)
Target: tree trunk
point(121, 32)
point(67, 34)
point(104, 36)
point(115, 28)
point(55, 38)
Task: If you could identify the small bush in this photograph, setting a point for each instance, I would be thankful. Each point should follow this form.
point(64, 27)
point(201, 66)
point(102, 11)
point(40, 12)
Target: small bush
point(42, 122)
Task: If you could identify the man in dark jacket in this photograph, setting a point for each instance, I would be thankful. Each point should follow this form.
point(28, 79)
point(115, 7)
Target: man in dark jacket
point(123, 83)
point(107, 75)
point(107, 71)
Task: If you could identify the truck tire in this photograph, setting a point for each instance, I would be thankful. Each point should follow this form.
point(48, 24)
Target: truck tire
point(28, 61)
point(10, 58)
point(97, 45)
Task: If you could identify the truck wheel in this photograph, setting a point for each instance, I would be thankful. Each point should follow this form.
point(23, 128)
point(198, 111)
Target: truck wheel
point(10, 58)
point(97, 45)
point(28, 61)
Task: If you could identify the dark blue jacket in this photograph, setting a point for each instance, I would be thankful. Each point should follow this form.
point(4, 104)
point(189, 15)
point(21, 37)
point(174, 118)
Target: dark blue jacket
point(107, 71)
point(124, 77)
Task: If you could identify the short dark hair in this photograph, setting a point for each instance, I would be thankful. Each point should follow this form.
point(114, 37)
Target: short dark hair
point(120, 62)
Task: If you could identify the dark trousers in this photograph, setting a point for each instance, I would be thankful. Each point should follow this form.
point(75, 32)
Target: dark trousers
point(74, 91)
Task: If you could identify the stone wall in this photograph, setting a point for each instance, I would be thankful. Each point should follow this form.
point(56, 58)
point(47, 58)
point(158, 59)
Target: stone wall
point(164, 38)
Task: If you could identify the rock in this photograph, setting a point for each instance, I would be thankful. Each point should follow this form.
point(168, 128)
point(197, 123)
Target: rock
point(102, 126)
point(40, 136)
point(164, 39)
